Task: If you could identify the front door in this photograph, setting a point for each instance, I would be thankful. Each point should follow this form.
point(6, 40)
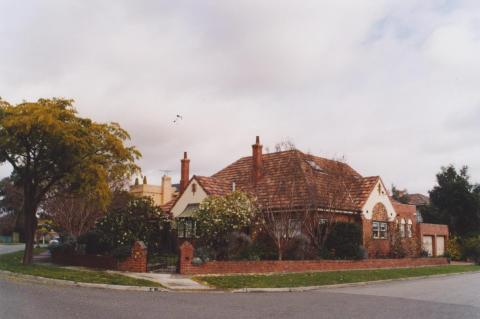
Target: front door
point(440, 244)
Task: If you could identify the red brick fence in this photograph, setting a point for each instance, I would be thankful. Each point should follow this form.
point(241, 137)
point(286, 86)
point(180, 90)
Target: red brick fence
point(136, 262)
point(269, 266)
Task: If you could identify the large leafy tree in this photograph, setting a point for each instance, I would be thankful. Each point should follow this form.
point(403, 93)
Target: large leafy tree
point(51, 148)
point(455, 202)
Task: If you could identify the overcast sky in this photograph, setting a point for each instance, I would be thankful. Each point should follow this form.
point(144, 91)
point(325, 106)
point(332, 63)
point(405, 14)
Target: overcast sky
point(394, 86)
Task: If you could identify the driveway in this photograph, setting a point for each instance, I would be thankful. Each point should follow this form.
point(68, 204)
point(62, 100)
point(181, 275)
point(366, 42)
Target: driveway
point(5, 249)
point(407, 299)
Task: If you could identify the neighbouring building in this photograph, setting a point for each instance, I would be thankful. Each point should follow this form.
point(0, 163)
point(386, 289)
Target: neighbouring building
point(161, 194)
point(293, 179)
point(419, 201)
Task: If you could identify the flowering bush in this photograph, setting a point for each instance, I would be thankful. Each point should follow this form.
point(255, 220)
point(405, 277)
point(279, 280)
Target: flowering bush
point(139, 219)
point(220, 216)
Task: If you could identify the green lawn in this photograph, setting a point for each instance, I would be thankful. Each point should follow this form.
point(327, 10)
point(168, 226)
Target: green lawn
point(12, 262)
point(327, 278)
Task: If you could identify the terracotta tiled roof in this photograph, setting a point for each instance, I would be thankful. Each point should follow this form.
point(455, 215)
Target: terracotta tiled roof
point(293, 178)
point(214, 186)
point(418, 199)
point(403, 210)
point(168, 206)
point(362, 189)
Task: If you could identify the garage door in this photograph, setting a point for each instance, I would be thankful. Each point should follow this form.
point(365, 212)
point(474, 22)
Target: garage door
point(440, 245)
point(428, 244)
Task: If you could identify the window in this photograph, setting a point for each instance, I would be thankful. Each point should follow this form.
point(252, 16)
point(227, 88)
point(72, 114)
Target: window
point(383, 230)
point(379, 230)
point(181, 228)
point(186, 228)
point(294, 228)
point(409, 229)
point(402, 228)
point(314, 166)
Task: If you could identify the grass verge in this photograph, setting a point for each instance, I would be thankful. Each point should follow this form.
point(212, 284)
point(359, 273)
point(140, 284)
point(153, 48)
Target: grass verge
point(13, 262)
point(327, 278)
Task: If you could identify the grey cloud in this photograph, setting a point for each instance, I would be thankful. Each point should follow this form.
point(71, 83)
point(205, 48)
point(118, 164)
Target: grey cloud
point(375, 81)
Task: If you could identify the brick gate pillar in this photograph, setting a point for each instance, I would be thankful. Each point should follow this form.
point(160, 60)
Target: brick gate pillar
point(186, 256)
point(137, 261)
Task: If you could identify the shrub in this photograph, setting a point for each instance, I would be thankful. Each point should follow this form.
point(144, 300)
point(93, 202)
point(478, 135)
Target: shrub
point(454, 248)
point(299, 248)
point(122, 252)
point(67, 245)
point(139, 219)
point(472, 249)
point(238, 245)
point(95, 242)
point(344, 241)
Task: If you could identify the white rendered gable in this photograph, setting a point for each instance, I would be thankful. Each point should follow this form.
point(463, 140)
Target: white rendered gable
point(189, 197)
point(378, 195)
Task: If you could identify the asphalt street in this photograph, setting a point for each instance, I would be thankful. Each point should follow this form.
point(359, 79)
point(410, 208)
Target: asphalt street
point(446, 297)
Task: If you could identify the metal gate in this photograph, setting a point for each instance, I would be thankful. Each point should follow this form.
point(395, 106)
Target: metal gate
point(164, 263)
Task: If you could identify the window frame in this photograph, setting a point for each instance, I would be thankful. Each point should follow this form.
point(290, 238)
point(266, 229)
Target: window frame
point(186, 228)
point(379, 229)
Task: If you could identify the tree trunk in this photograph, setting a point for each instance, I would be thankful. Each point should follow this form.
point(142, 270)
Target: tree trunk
point(280, 252)
point(30, 218)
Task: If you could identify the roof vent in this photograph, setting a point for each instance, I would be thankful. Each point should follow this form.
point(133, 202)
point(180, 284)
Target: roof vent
point(314, 166)
point(234, 187)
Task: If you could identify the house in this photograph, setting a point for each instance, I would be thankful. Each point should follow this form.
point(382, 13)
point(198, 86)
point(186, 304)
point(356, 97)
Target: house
point(419, 201)
point(160, 194)
point(293, 181)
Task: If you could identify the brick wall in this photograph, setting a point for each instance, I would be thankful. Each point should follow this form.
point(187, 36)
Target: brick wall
point(269, 266)
point(434, 230)
point(137, 262)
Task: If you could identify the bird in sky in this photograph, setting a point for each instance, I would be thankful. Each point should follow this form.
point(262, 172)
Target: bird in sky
point(177, 119)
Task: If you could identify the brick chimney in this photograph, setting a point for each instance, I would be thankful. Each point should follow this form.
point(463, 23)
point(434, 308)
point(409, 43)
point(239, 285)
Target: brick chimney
point(257, 160)
point(185, 173)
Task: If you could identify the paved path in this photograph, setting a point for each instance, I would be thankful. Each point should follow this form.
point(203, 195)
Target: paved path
point(21, 300)
point(5, 249)
point(171, 281)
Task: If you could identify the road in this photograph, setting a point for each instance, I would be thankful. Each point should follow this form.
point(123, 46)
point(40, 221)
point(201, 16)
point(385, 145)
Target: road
point(5, 249)
point(447, 297)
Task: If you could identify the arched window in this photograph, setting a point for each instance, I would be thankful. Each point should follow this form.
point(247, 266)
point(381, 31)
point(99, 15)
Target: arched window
point(379, 223)
point(402, 228)
point(409, 229)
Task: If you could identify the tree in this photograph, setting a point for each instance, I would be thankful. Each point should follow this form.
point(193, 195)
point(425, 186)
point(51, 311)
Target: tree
point(400, 195)
point(51, 148)
point(74, 214)
point(455, 202)
point(220, 216)
point(334, 195)
point(280, 213)
point(11, 201)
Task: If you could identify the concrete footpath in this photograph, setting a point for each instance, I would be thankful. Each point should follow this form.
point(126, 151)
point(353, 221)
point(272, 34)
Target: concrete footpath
point(170, 281)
